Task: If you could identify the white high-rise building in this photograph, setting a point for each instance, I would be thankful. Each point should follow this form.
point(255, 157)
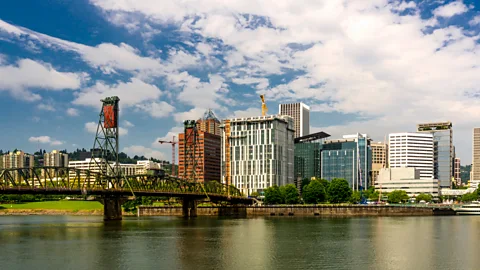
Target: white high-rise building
point(257, 152)
point(301, 117)
point(55, 159)
point(412, 150)
point(475, 173)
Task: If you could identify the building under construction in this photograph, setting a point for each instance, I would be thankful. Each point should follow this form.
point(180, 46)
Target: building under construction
point(200, 149)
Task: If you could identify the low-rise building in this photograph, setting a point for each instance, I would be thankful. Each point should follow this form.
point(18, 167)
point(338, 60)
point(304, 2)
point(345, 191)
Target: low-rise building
point(142, 167)
point(407, 179)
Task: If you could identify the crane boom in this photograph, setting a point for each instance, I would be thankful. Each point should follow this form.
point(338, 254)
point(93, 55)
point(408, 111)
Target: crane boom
point(173, 143)
point(264, 106)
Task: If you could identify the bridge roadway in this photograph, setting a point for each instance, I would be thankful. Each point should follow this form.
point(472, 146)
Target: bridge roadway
point(114, 191)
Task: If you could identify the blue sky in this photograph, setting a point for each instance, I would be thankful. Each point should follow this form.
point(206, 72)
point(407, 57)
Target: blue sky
point(372, 67)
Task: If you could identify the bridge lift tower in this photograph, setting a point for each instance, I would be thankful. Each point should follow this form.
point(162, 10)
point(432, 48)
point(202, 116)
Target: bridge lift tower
point(191, 152)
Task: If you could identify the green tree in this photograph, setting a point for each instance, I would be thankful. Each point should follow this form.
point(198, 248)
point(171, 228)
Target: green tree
point(325, 183)
point(424, 197)
point(356, 197)
point(254, 194)
point(305, 182)
point(339, 191)
point(397, 196)
point(314, 192)
point(273, 195)
point(469, 197)
point(290, 194)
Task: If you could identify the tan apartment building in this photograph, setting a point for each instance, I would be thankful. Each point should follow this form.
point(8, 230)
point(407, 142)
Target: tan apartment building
point(475, 175)
point(379, 159)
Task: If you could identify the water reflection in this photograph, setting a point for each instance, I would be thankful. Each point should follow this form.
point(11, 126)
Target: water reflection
point(62, 242)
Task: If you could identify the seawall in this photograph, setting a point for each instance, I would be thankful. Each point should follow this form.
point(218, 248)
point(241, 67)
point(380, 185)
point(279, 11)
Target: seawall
point(298, 210)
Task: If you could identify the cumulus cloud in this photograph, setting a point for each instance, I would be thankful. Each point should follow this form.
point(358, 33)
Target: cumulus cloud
point(143, 151)
point(72, 112)
point(27, 74)
point(156, 109)
point(475, 21)
point(91, 127)
point(46, 107)
point(128, 124)
point(45, 140)
point(451, 9)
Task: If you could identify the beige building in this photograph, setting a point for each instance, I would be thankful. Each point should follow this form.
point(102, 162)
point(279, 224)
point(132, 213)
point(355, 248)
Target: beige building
point(301, 117)
point(407, 179)
point(18, 159)
point(475, 175)
point(379, 158)
point(55, 159)
point(456, 172)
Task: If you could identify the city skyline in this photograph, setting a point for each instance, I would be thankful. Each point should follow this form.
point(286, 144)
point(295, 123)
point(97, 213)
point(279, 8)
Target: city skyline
point(167, 67)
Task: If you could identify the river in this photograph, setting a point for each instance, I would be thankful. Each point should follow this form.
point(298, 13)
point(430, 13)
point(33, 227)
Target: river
point(77, 242)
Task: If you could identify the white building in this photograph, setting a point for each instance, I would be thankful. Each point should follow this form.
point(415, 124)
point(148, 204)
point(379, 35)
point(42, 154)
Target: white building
point(140, 168)
point(407, 179)
point(475, 173)
point(412, 150)
point(258, 152)
point(301, 117)
point(55, 159)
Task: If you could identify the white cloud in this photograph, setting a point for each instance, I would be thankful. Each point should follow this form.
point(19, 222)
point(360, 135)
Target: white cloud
point(72, 112)
point(143, 151)
point(91, 127)
point(128, 124)
point(130, 93)
point(28, 74)
point(451, 9)
point(156, 109)
point(250, 112)
point(46, 107)
point(45, 140)
point(475, 21)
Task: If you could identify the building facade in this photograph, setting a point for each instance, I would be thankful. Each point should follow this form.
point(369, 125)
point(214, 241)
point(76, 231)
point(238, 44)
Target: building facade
point(18, 159)
point(301, 116)
point(411, 150)
point(457, 172)
point(379, 158)
point(349, 158)
point(407, 179)
point(258, 152)
point(475, 174)
point(443, 150)
point(201, 150)
point(307, 156)
point(209, 123)
point(55, 159)
point(141, 168)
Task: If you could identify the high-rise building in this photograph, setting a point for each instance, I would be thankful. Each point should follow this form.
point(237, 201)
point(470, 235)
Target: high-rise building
point(349, 158)
point(307, 156)
point(202, 151)
point(411, 150)
point(443, 150)
point(301, 116)
point(475, 173)
point(379, 158)
point(55, 159)
point(456, 172)
point(258, 152)
point(17, 159)
point(209, 123)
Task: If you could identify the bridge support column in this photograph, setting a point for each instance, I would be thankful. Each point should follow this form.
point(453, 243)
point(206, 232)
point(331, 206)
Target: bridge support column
point(189, 207)
point(112, 208)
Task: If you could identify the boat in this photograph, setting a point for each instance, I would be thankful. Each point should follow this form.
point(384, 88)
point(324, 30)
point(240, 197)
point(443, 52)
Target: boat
point(469, 209)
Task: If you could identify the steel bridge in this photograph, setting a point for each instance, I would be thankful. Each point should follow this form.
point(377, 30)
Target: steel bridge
point(71, 181)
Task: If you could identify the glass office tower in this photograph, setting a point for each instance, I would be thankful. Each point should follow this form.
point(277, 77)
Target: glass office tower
point(349, 158)
point(307, 155)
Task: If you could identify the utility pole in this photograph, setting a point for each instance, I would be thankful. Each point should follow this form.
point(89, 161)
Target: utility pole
point(173, 143)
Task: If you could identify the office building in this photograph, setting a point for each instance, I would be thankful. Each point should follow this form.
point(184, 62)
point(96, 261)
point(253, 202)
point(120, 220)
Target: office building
point(307, 156)
point(258, 152)
point(301, 116)
point(349, 158)
point(475, 174)
point(55, 159)
point(202, 151)
point(141, 168)
point(411, 150)
point(443, 150)
point(209, 123)
point(407, 179)
point(379, 158)
point(456, 172)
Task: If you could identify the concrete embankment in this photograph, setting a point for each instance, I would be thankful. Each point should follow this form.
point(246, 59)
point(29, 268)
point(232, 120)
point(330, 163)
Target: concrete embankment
point(302, 211)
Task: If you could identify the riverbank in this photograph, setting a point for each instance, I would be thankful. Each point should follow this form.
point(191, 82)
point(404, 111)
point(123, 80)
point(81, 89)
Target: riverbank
point(53, 208)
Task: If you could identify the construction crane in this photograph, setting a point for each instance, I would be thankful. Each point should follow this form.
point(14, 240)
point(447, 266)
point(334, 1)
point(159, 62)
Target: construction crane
point(173, 143)
point(264, 106)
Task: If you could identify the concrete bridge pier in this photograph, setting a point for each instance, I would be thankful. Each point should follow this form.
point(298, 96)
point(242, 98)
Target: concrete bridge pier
point(112, 207)
point(189, 208)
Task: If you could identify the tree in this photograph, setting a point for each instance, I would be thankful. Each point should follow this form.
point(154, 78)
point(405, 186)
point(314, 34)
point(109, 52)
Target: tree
point(339, 191)
point(356, 197)
point(424, 197)
point(273, 195)
point(397, 196)
point(254, 194)
point(469, 197)
point(290, 194)
point(305, 182)
point(314, 192)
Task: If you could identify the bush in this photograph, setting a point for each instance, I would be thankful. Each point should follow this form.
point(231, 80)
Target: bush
point(356, 197)
point(339, 191)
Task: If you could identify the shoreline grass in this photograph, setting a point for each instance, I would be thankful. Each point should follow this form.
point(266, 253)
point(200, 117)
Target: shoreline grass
point(55, 205)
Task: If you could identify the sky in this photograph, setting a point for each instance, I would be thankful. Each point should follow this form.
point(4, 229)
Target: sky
point(374, 67)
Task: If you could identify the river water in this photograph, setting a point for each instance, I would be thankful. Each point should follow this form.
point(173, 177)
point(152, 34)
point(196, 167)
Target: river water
point(74, 242)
